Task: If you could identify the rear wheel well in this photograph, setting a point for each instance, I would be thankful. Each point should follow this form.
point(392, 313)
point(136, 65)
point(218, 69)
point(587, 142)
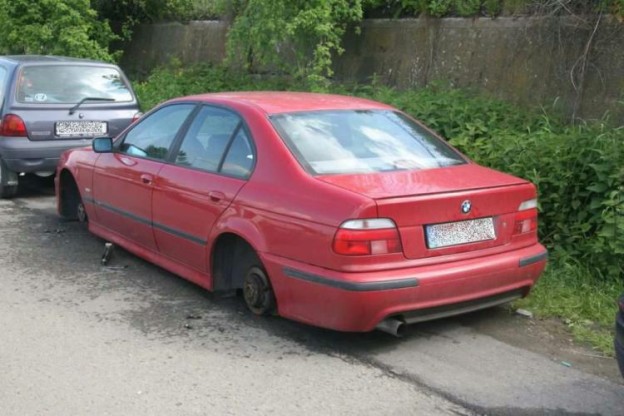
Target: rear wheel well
point(237, 266)
point(228, 257)
point(69, 196)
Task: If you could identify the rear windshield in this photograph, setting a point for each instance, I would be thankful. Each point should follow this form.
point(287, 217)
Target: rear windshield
point(68, 84)
point(344, 142)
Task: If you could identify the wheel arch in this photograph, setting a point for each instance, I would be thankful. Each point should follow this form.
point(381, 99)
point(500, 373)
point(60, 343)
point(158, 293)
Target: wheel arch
point(233, 239)
point(68, 194)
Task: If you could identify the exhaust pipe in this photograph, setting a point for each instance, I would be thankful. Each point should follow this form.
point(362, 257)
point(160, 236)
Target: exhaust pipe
point(392, 326)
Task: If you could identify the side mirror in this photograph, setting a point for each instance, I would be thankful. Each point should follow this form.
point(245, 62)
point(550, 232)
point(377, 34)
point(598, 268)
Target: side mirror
point(102, 145)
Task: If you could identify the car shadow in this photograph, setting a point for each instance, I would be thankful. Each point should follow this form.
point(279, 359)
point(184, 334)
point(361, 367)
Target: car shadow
point(35, 186)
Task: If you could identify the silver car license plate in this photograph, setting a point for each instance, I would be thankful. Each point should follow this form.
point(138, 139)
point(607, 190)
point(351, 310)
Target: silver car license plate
point(461, 232)
point(81, 128)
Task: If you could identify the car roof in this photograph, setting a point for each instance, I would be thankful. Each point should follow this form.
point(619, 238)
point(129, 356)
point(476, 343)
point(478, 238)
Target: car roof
point(17, 59)
point(276, 102)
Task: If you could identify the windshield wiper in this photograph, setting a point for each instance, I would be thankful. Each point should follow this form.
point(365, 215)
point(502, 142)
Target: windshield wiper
point(79, 103)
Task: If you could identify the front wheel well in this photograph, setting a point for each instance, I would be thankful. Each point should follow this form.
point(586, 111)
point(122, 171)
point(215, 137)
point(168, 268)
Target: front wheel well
point(69, 196)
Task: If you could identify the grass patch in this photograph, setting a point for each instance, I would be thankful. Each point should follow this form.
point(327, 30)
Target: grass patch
point(585, 304)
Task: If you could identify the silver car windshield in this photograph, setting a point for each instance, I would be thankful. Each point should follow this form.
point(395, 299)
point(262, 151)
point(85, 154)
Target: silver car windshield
point(69, 84)
point(347, 142)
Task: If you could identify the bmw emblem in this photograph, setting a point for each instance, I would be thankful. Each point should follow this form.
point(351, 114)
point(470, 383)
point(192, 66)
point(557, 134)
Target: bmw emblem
point(466, 206)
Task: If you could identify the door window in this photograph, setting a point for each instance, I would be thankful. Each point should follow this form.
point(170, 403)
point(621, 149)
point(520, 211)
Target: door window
point(216, 142)
point(153, 135)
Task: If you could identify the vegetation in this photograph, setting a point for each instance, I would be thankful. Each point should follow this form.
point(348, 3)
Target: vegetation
point(140, 11)
point(567, 290)
point(492, 8)
point(55, 27)
point(307, 32)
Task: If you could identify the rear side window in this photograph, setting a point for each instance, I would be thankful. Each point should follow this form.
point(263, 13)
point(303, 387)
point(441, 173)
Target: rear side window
point(68, 84)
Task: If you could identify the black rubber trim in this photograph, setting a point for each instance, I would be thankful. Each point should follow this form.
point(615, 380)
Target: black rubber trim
point(352, 286)
point(180, 234)
point(533, 259)
point(123, 213)
point(145, 221)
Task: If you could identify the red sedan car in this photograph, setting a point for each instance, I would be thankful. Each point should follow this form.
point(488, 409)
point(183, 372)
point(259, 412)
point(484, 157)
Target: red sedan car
point(335, 211)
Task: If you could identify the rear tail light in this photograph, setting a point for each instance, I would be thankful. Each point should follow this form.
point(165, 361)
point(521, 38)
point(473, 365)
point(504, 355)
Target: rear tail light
point(12, 126)
point(367, 237)
point(137, 116)
point(526, 218)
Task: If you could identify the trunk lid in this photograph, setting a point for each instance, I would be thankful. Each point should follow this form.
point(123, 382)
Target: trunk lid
point(420, 201)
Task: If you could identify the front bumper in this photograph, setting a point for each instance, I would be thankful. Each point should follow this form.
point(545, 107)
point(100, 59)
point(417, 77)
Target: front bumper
point(359, 301)
point(23, 155)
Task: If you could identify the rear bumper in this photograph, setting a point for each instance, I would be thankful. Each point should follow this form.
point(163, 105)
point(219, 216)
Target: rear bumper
point(359, 301)
point(23, 155)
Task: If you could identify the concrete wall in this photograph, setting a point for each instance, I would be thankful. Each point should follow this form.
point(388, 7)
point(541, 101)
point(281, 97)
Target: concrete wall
point(158, 44)
point(526, 60)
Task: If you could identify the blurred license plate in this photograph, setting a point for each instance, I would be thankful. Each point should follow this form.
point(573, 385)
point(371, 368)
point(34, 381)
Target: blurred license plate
point(461, 232)
point(80, 128)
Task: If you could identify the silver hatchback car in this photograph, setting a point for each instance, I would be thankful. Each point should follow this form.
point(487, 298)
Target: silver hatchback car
point(49, 104)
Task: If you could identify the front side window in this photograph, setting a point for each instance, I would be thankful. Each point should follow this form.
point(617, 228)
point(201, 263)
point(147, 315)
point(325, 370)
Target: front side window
point(69, 84)
point(361, 141)
point(153, 135)
point(216, 142)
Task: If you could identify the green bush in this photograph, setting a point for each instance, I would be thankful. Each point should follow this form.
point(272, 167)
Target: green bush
point(54, 27)
point(176, 81)
point(142, 11)
point(467, 8)
point(299, 37)
point(492, 7)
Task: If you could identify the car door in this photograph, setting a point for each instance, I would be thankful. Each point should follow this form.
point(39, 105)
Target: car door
point(123, 180)
point(213, 162)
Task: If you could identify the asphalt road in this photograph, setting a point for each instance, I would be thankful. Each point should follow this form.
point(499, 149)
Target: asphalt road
point(78, 338)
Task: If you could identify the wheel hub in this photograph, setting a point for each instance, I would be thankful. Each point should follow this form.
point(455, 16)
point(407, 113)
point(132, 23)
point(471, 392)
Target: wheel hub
point(253, 290)
point(82, 213)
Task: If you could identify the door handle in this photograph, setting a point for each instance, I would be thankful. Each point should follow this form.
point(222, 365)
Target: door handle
point(216, 196)
point(146, 178)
